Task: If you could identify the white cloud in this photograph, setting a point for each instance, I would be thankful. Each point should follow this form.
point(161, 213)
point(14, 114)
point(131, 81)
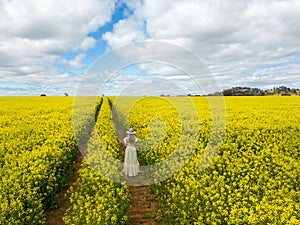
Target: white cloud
point(76, 63)
point(66, 20)
point(34, 34)
point(233, 37)
point(87, 43)
point(236, 39)
point(125, 31)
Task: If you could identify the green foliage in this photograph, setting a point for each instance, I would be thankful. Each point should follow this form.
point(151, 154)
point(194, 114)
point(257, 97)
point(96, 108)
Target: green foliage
point(37, 149)
point(98, 199)
point(253, 180)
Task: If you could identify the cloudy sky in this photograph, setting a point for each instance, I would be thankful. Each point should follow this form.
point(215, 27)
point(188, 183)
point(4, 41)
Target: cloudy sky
point(49, 46)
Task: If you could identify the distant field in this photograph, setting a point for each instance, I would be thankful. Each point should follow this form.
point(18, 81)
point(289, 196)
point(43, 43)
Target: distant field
point(254, 179)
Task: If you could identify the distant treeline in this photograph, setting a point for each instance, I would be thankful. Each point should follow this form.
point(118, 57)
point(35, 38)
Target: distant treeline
point(247, 91)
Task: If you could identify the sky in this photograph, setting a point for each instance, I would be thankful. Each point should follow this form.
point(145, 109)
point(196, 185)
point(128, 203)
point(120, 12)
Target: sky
point(54, 47)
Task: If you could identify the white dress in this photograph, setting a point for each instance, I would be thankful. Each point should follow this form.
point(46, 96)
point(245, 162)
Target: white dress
point(131, 164)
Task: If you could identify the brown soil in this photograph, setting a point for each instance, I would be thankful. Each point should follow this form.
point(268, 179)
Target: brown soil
point(122, 152)
point(143, 204)
point(55, 216)
point(141, 209)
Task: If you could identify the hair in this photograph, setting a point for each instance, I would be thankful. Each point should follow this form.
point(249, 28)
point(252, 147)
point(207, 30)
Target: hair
point(131, 138)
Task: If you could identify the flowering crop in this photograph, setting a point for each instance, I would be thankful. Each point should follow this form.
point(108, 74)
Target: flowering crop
point(37, 150)
point(99, 200)
point(253, 180)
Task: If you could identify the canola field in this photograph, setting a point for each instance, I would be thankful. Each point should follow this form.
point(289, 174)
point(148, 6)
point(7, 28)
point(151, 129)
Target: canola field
point(254, 178)
point(37, 150)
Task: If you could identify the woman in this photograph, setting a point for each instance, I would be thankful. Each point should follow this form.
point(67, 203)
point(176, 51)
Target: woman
point(131, 164)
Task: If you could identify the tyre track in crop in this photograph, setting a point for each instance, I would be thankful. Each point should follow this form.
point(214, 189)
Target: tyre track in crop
point(55, 216)
point(143, 204)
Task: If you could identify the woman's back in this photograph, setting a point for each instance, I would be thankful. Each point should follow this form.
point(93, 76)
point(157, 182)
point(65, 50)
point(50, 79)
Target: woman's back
point(130, 141)
point(131, 164)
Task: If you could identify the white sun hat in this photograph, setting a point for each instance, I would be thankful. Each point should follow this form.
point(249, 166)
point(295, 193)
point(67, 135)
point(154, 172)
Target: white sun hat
point(130, 131)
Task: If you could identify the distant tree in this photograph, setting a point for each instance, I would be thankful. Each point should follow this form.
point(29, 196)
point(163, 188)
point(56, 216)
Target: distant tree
point(247, 91)
point(43, 95)
point(227, 92)
point(66, 94)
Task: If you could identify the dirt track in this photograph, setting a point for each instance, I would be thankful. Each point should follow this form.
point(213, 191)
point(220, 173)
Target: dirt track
point(142, 210)
point(55, 216)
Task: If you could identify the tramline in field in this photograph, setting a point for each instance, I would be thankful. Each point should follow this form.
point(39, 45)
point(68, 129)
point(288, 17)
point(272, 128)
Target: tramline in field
point(254, 179)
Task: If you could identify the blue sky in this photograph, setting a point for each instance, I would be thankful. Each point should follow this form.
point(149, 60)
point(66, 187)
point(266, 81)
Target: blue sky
point(120, 12)
point(49, 47)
